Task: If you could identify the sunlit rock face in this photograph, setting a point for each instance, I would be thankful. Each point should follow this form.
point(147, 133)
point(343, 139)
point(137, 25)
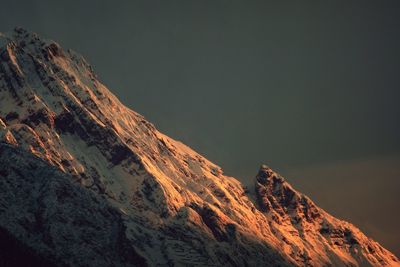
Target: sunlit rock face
point(171, 206)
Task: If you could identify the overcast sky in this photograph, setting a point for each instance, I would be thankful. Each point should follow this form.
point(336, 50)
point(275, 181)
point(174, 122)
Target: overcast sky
point(310, 88)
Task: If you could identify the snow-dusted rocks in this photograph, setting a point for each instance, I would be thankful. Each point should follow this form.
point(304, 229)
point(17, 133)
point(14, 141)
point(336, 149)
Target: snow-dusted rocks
point(171, 205)
point(63, 223)
point(316, 235)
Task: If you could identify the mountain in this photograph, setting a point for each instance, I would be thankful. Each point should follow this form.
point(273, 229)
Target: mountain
point(85, 181)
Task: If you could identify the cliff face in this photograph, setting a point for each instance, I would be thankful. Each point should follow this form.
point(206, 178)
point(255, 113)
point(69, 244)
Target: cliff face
point(169, 204)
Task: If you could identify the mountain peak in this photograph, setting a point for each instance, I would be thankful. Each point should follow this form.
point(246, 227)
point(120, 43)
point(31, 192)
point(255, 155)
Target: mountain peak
point(21, 32)
point(266, 174)
point(177, 207)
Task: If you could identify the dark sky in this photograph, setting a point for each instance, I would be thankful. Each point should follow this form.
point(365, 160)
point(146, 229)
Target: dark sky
point(310, 88)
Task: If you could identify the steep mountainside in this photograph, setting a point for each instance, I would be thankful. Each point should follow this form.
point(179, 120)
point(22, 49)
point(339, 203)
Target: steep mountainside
point(44, 210)
point(158, 199)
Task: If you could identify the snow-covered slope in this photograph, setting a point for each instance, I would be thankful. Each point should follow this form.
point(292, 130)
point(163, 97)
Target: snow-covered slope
point(177, 208)
point(41, 207)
